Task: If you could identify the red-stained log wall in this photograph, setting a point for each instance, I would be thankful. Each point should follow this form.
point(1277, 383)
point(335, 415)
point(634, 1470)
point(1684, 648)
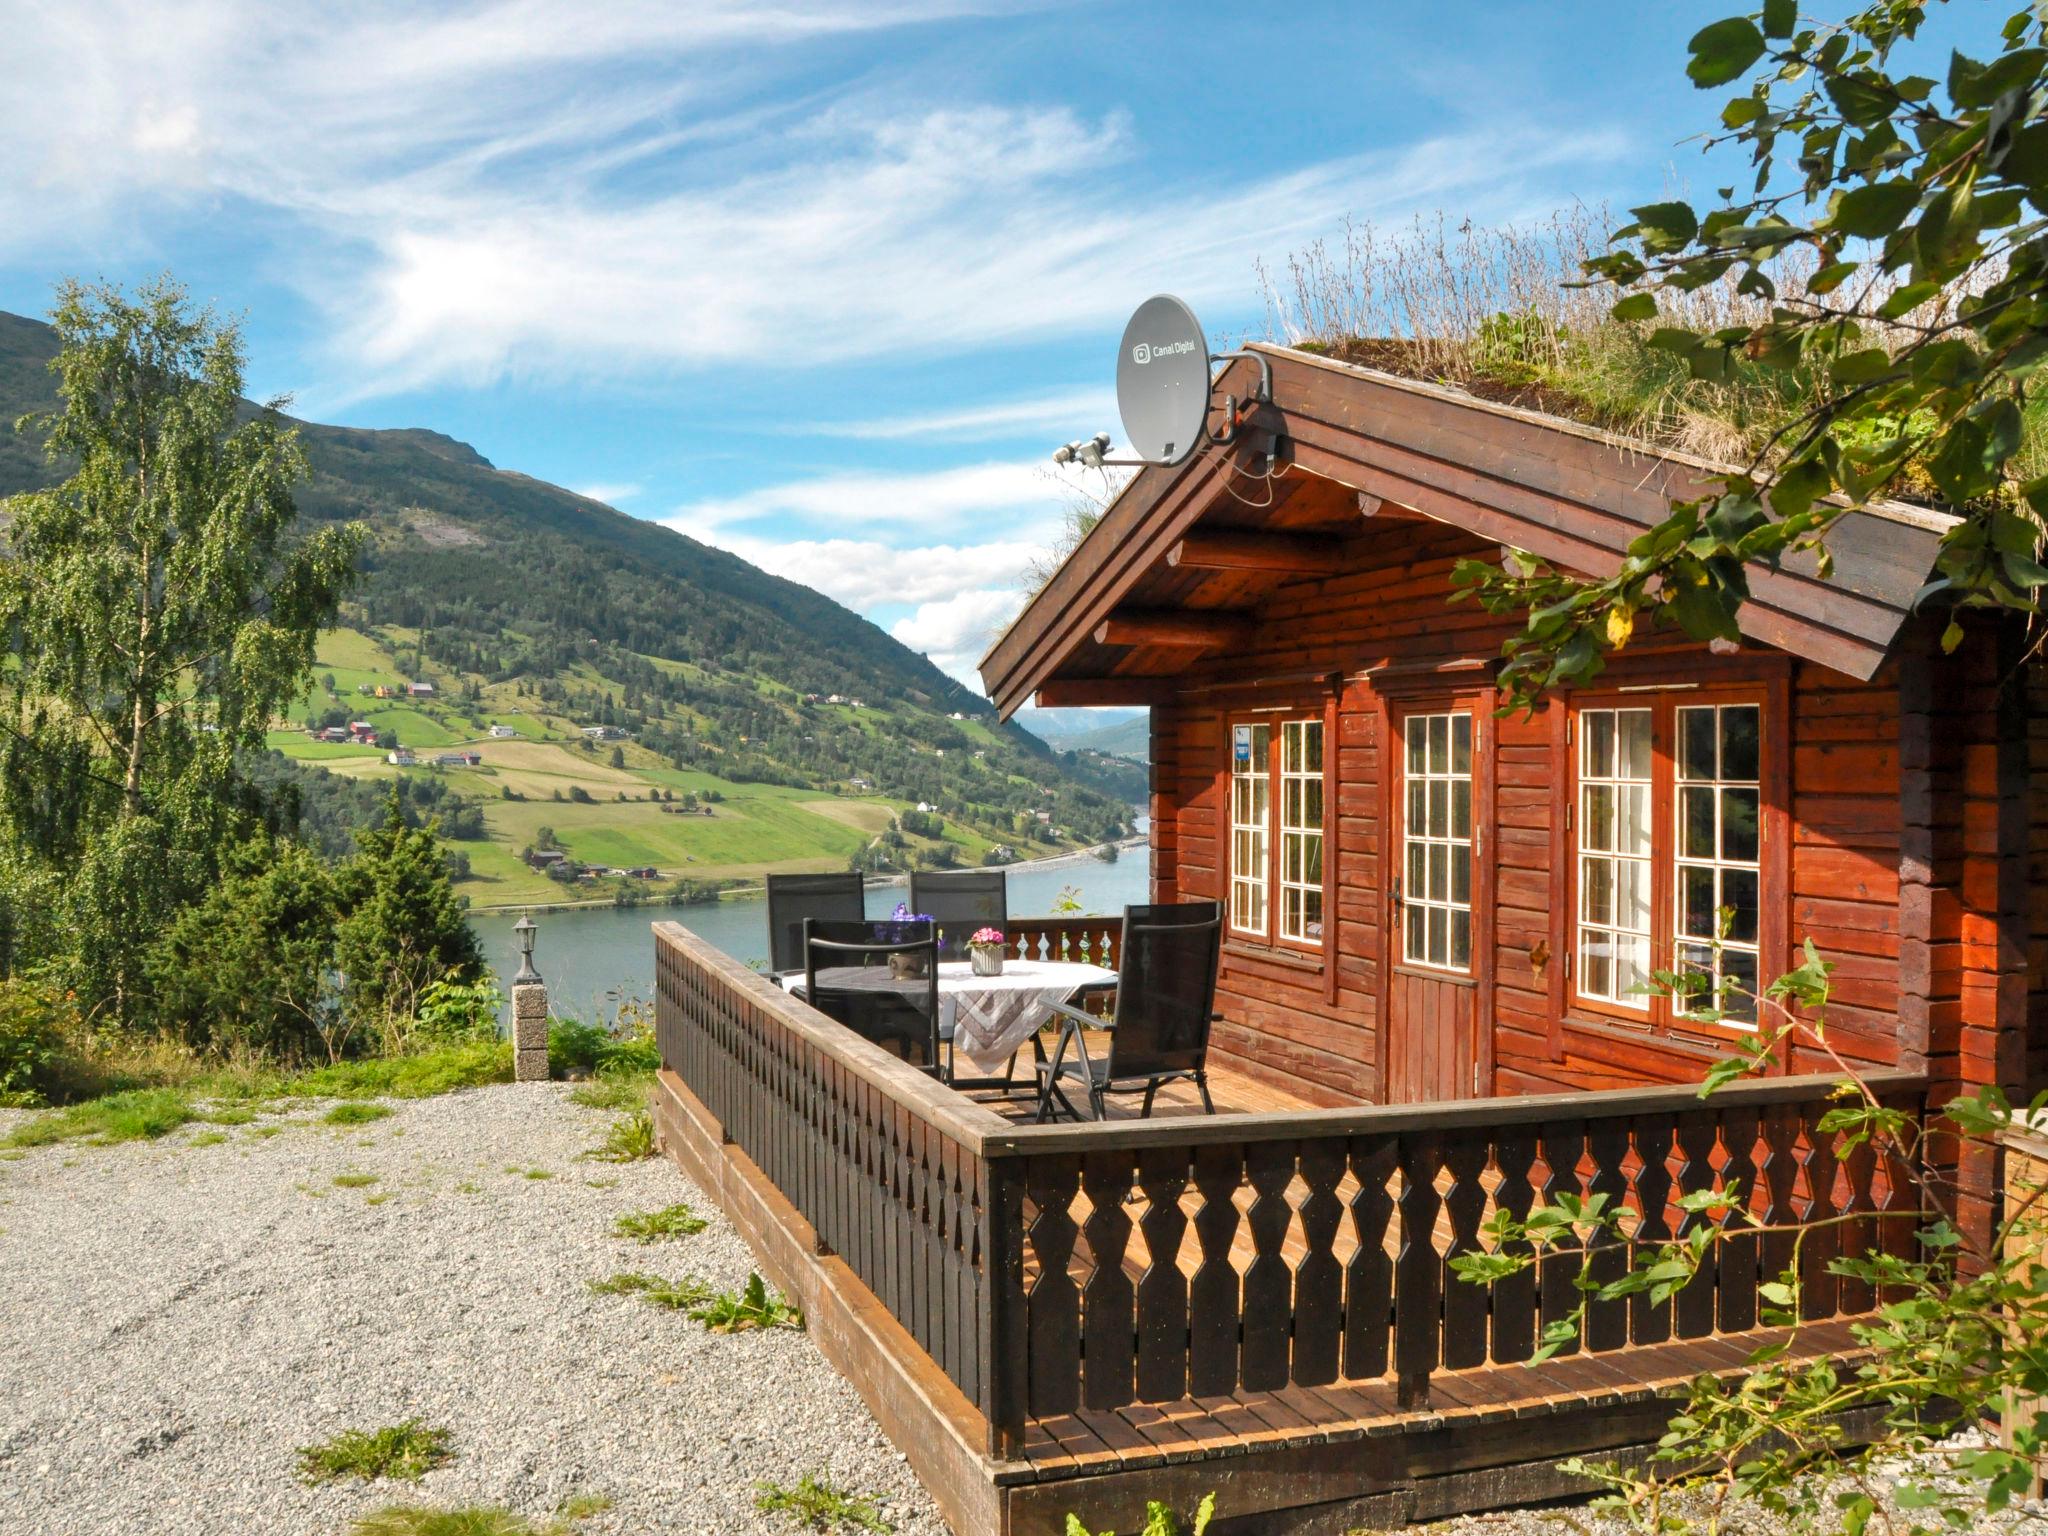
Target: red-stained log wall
point(1376, 630)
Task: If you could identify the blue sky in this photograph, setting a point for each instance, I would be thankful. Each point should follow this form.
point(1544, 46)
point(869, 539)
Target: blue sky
point(820, 283)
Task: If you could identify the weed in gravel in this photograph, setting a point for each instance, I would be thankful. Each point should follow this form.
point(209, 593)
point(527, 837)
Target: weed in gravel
point(538, 1173)
point(625, 1283)
point(474, 1520)
point(143, 1114)
point(630, 1138)
point(208, 1139)
point(626, 1090)
point(418, 1076)
point(469, 1187)
point(356, 1113)
point(819, 1506)
point(377, 1199)
point(652, 1226)
point(232, 1114)
point(354, 1180)
point(409, 1451)
point(605, 1183)
point(265, 1132)
point(753, 1307)
point(581, 1506)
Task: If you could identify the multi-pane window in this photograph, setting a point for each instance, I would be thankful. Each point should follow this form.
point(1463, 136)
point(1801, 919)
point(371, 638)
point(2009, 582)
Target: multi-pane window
point(1301, 831)
point(1716, 888)
point(1436, 894)
point(1251, 784)
point(1614, 856)
point(1669, 855)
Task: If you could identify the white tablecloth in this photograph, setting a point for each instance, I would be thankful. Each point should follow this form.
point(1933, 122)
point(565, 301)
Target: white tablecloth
point(989, 1017)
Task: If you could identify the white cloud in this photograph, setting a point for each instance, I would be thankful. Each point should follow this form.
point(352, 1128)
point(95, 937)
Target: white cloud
point(956, 631)
point(611, 493)
point(534, 188)
point(1079, 412)
point(917, 505)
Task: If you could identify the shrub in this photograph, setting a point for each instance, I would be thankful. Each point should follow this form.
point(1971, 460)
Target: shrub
point(37, 1028)
point(1160, 1520)
point(408, 1451)
point(457, 1012)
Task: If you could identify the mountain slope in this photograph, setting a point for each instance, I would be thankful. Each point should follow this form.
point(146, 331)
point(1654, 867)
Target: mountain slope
point(534, 608)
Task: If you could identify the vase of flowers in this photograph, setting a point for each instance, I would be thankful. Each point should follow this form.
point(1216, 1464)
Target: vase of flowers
point(985, 951)
point(904, 929)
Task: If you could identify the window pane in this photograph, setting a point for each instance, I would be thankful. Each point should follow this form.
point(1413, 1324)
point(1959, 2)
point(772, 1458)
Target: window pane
point(1739, 966)
point(1696, 901)
point(1461, 874)
point(1631, 968)
point(1418, 938)
point(1739, 896)
point(1598, 834)
point(1598, 762)
point(1312, 909)
point(1418, 747)
point(1439, 808)
point(1740, 741)
point(1596, 891)
point(1738, 824)
point(1634, 748)
point(1418, 804)
point(1312, 747)
point(1461, 937)
point(1312, 865)
point(1695, 823)
point(1418, 869)
point(1312, 815)
point(1439, 743)
point(1461, 744)
point(1439, 936)
point(1439, 872)
point(1632, 820)
point(1596, 970)
point(1461, 807)
point(1632, 895)
point(1696, 744)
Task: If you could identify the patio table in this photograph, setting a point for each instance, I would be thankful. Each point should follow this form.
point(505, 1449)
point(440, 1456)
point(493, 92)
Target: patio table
point(988, 1018)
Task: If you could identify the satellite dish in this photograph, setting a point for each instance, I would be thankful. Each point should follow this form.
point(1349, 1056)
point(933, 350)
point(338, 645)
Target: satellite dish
point(1162, 380)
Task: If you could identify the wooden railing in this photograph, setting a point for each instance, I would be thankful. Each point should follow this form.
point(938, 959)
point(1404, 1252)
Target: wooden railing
point(1094, 940)
point(1045, 1268)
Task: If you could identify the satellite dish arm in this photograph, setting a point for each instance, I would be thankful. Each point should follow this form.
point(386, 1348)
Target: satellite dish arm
point(1264, 397)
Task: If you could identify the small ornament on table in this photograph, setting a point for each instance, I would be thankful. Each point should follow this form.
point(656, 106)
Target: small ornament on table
point(906, 967)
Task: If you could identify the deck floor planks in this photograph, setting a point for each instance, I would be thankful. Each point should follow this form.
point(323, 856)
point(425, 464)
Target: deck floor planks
point(1197, 1428)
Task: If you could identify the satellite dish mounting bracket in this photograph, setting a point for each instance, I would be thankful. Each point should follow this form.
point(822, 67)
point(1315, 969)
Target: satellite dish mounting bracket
point(1232, 421)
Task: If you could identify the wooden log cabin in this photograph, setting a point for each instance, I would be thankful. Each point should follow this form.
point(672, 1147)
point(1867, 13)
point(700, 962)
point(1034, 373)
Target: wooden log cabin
point(1428, 900)
point(1438, 917)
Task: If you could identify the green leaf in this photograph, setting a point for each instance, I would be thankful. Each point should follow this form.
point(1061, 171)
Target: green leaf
point(1874, 211)
point(1637, 306)
point(1831, 276)
point(1907, 299)
point(1722, 51)
point(1780, 17)
point(1665, 226)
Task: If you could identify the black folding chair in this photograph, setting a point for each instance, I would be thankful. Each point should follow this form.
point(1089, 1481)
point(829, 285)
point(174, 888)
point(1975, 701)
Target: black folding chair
point(881, 980)
point(1159, 1027)
point(793, 898)
point(960, 901)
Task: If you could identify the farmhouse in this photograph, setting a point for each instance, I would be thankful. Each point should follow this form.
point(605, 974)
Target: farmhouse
point(420, 690)
point(401, 758)
point(1438, 920)
point(503, 732)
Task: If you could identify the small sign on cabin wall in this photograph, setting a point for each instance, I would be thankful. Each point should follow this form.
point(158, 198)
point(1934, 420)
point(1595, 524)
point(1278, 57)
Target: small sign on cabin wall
point(1241, 743)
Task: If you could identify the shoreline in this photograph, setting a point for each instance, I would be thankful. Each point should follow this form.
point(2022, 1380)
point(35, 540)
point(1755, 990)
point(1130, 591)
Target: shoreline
point(754, 889)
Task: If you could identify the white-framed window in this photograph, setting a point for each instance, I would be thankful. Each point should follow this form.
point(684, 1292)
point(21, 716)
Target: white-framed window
point(1301, 831)
point(1615, 870)
point(1436, 833)
point(1717, 842)
point(1251, 813)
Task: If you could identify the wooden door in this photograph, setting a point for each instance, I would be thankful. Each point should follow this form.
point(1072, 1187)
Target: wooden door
point(1438, 900)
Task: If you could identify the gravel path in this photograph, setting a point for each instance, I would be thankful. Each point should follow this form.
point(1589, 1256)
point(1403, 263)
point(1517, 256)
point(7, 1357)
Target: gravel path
point(176, 1319)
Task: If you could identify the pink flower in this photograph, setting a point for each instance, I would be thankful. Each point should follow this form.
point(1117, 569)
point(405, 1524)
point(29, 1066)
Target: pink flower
point(986, 938)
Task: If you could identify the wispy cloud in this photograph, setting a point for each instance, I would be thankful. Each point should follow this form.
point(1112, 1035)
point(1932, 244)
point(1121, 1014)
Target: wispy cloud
point(1075, 412)
point(610, 493)
point(913, 506)
point(526, 189)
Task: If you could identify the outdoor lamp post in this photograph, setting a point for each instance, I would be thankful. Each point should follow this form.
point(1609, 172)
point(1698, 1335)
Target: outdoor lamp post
point(529, 1011)
point(524, 930)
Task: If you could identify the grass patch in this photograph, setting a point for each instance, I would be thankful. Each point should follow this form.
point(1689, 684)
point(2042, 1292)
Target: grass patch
point(470, 1520)
point(232, 1114)
point(627, 1140)
point(423, 1075)
point(356, 1113)
point(408, 1451)
point(652, 1226)
point(378, 1199)
point(627, 1282)
point(141, 1114)
point(208, 1139)
point(751, 1308)
point(581, 1506)
point(614, 1091)
point(537, 1173)
point(819, 1506)
point(354, 1180)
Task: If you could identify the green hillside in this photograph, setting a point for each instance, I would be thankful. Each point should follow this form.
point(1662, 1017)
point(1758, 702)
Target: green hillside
point(802, 730)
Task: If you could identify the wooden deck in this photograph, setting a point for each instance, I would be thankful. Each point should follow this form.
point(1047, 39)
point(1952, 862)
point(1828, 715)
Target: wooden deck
point(1233, 1093)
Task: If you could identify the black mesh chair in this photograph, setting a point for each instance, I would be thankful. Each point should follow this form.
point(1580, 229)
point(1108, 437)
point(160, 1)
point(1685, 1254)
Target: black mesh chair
point(960, 901)
point(1165, 1003)
point(881, 980)
point(792, 898)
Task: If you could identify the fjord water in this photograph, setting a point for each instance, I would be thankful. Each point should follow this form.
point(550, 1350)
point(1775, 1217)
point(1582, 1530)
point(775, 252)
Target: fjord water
point(594, 957)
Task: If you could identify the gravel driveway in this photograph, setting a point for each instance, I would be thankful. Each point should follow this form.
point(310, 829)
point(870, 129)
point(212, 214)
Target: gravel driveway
point(176, 1319)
